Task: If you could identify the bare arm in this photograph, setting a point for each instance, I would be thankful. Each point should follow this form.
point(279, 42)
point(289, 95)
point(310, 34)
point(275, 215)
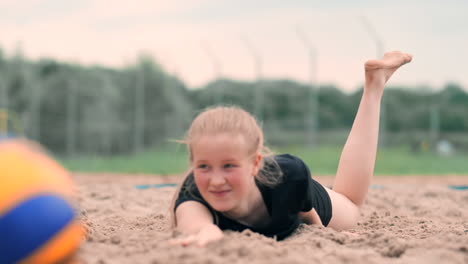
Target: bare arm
point(192, 216)
point(311, 217)
point(196, 222)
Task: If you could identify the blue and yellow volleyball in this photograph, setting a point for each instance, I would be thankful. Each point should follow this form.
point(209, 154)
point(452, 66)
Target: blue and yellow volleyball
point(38, 222)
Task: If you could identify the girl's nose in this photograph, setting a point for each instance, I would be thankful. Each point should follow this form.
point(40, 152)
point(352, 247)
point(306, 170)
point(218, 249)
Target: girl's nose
point(217, 179)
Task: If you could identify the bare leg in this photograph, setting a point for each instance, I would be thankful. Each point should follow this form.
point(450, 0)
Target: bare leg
point(357, 162)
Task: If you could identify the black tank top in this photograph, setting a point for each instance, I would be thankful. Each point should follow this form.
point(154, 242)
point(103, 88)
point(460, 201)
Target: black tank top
point(297, 192)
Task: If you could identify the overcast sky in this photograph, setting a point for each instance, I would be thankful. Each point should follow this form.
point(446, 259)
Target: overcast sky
point(179, 32)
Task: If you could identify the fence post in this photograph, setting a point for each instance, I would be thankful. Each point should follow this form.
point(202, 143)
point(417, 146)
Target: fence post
point(35, 106)
point(139, 110)
point(3, 94)
point(72, 105)
point(434, 124)
point(3, 107)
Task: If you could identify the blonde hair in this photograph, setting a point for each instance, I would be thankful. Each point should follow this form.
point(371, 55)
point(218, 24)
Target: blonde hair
point(233, 120)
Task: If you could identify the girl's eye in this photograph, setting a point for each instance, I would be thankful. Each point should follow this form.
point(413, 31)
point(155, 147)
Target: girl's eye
point(228, 166)
point(202, 166)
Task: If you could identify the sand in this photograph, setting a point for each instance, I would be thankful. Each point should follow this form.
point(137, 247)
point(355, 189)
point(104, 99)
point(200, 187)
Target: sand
point(405, 220)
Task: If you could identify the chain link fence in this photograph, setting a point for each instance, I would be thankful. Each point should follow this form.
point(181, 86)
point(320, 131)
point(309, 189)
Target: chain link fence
point(75, 110)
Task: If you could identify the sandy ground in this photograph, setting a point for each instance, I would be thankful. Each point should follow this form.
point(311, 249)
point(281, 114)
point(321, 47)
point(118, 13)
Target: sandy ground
point(405, 220)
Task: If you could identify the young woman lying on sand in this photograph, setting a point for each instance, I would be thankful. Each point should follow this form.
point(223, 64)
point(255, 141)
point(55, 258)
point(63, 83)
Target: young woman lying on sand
point(235, 184)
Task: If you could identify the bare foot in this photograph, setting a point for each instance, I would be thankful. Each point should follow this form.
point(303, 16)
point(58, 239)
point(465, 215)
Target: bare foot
point(379, 71)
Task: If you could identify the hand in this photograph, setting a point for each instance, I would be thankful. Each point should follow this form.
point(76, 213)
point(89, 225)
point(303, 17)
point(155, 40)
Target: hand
point(206, 235)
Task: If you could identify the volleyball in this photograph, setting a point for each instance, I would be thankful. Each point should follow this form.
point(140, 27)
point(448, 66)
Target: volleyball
point(38, 222)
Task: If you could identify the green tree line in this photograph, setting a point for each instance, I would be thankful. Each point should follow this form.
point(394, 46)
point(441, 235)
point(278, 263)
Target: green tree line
point(76, 109)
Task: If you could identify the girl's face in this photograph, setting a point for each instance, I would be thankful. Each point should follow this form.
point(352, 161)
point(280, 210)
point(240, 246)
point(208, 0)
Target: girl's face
point(224, 171)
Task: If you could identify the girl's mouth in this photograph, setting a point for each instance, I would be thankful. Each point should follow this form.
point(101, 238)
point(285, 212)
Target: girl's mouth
point(220, 193)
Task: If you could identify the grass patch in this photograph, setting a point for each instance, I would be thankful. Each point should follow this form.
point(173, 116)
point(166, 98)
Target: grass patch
point(323, 161)
point(163, 162)
point(390, 161)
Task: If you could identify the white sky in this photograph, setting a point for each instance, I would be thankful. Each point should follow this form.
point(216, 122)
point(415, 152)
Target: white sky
point(176, 31)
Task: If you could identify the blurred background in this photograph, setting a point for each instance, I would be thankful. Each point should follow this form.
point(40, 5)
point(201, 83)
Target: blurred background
point(110, 85)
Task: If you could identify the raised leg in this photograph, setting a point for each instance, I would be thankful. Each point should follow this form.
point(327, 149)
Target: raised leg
point(356, 166)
